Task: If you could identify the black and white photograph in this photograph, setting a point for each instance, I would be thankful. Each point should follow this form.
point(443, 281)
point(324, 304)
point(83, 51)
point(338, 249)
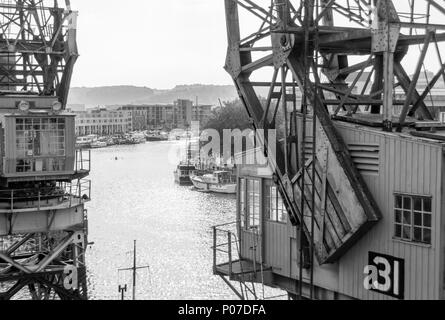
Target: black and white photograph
point(225, 155)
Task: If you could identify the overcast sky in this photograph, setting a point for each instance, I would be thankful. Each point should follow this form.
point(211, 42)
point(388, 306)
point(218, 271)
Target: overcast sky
point(163, 43)
point(157, 44)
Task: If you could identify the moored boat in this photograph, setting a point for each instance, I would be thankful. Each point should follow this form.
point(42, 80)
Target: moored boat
point(156, 136)
point(137, 138)
point(183, 172)
point(98, 144)
point(87, 141)
point(218, 182)
point(83, 142)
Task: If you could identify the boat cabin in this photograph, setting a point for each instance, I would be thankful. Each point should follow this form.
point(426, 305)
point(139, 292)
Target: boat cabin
point(186, 169)
point(183, 172)
point(220, 177)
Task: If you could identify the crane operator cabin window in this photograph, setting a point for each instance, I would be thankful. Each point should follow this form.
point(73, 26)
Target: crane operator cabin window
point(40, 145)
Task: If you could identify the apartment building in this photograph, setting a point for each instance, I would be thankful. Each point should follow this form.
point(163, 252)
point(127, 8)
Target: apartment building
point(103, 122)
point(180, 114)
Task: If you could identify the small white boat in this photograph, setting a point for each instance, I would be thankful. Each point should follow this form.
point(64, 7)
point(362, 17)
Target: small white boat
point(137, 138)
point(83, 142)
point(98, 144)
point(218, 182)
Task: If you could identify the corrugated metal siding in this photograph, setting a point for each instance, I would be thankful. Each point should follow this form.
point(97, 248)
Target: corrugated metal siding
point(250, 245)
point(442, 238)
point(399, 165)
point(277, 247)
point(406, 166)
point(2, 146)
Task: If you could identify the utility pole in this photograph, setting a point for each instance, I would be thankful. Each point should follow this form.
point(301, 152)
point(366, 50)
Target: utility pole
point(134, 269)
point(122, 291)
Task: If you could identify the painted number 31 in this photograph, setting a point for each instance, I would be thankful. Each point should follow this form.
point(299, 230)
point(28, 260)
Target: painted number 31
point(384, 274)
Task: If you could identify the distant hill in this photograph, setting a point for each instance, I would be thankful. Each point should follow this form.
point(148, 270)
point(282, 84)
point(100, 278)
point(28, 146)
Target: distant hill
point(118, 95)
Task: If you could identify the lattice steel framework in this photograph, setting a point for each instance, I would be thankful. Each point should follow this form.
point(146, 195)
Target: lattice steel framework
point(322, 49)
point(43, 236)
point(35, 266)
point(37, 47)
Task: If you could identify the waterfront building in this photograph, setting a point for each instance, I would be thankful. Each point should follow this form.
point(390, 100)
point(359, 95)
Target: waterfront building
point(201, 113)
point(180, 114)
point(103, 122)
point(150, 117)
point(185, 112)
point(435, 100)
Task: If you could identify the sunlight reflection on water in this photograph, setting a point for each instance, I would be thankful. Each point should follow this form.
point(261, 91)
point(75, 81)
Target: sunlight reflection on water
point(135, 198)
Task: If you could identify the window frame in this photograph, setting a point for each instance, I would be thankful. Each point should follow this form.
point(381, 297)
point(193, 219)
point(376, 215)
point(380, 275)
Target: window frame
point(275, 209)
point(253, 204)
point(242, 182)
point(245, 210)
point(406, 218)
point(28, 133)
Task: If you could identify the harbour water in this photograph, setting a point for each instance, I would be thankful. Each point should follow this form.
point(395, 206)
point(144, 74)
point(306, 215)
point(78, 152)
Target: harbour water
point(135, 198)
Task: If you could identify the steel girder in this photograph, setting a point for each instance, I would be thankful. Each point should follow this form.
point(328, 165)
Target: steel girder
point(38, 47)
point(344, 209)
point(49, 266)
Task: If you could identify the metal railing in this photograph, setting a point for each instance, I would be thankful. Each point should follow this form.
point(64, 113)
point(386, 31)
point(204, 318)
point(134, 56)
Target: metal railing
point(79, 192)
point(230, 248)
point(225, 246)
point(226, 252)
point(83, 160)
point(69, 194)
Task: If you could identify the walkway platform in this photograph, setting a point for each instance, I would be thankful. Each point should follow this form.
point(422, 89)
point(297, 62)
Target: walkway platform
point(240, 269)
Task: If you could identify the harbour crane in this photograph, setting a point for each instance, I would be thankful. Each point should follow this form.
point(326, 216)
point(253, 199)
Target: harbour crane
point(311, 55)
point(43, 191)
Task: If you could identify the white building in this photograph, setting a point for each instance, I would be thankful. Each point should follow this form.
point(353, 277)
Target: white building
point(103, 122)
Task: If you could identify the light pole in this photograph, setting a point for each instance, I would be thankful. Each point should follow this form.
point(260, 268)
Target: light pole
point(134, 269)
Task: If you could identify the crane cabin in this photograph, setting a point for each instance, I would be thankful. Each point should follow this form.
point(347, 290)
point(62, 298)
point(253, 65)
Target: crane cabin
point(41, 172)
point(401, 257)
point(37, 141)
point(43, 190)
point(43, 193)
point(353, 204)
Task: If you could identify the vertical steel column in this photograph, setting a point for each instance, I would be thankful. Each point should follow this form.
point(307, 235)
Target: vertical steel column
point(388, 76)
point(304, 111)
point(314, 156)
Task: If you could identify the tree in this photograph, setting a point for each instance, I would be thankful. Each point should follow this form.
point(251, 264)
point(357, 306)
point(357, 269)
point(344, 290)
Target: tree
point(232, 115)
